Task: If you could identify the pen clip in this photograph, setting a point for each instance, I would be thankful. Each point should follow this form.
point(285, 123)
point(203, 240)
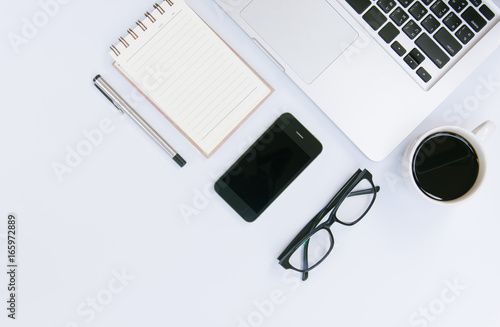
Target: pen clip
point(105, 94)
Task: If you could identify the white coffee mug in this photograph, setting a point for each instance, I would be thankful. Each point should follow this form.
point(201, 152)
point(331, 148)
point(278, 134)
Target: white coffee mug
point(474, 138)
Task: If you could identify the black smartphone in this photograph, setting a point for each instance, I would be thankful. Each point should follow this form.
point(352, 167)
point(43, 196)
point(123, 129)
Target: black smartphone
point(266, 169)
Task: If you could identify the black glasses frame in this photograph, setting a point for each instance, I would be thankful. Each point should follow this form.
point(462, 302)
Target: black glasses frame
point(312, 227)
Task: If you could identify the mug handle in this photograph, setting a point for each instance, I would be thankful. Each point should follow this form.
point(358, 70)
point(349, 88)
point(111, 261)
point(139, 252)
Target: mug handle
point(484, 131)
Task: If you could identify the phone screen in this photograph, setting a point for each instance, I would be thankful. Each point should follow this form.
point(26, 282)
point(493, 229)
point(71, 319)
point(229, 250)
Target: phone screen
point(267, 167)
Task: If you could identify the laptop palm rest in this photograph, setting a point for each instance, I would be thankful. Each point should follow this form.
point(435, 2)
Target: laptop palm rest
point(308, 35)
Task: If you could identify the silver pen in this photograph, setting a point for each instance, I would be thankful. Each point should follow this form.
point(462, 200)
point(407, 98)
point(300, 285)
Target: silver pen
point(124, 107)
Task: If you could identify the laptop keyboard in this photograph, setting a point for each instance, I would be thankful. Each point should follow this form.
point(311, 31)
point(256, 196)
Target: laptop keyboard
point(426, 37)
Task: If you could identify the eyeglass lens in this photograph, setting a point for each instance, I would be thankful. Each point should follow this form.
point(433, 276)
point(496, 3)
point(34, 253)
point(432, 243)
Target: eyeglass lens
point(357, 203)
point(353, 208)
point(320, 243)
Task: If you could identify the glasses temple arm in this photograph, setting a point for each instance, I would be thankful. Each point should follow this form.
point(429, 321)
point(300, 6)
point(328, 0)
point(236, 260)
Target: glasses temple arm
point(364, 192)
point(305, 263)
point(313, 222)
point(299, 236)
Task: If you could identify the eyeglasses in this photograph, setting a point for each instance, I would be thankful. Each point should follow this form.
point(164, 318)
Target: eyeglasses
point(315, 241)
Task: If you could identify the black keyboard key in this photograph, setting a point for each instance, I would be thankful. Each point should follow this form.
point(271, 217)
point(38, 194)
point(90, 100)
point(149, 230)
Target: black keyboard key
point(405, 3)
point(439, 8)
point(417, 56)
point(386, 5)
point(424, 75)
point(412, 63)
point(399, 16)
point(388, 32)
point(476, 3)
point(398, 48)
point(447, 41)
point(464, 34)
point(374, 17)
point(487, 12)
point(430, 23)
point(427, 2)
point(458, 5)
point(414, 58)
point(432, 50)
point(359, 5)
point(412, 29)
point(418, 11)
point(474, 19)
point(452, 21)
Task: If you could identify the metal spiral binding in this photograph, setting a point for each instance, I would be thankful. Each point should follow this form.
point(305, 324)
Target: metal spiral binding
point(151, 18)
point(115, 50)
point(141, 25)
point(132, 33)
point(159, 8)
point(122, 40)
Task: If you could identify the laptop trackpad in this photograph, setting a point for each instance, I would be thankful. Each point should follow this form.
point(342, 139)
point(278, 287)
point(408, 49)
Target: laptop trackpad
point(307, 34)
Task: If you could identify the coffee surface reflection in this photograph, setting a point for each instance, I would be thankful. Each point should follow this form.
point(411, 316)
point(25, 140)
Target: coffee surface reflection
point(445, 166)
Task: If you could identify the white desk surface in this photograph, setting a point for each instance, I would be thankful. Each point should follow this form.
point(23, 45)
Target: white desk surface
point(124, 237)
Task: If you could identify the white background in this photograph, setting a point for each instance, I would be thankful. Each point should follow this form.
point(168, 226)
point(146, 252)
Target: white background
point(124, 237)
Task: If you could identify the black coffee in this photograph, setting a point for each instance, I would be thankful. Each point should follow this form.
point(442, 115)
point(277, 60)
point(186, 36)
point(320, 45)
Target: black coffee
point(445, 166)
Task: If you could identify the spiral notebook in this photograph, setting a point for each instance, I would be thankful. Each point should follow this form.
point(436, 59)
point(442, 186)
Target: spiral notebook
point(189, 74)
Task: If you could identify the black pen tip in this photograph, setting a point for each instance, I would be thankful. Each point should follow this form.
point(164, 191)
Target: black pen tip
point(180, 161)
point(97, 77)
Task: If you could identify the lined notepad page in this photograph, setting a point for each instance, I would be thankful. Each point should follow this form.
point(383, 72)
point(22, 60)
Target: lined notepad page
point(195, 79)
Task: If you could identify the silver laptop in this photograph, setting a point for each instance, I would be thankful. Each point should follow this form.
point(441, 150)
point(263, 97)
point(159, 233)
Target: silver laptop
point(376, 68)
